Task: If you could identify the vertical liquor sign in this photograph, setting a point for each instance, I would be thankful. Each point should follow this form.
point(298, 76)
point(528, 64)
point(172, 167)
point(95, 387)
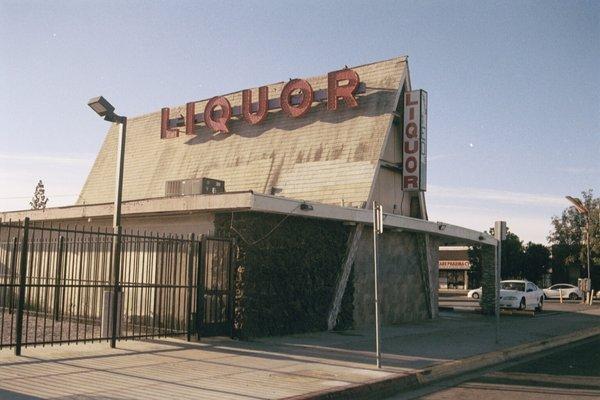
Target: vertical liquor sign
point(414, 141)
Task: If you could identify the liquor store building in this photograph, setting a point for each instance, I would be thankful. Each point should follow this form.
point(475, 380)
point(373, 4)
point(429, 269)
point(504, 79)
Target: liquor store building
point(290, 170)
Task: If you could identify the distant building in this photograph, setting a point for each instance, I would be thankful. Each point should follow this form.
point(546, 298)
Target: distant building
point(454, 267)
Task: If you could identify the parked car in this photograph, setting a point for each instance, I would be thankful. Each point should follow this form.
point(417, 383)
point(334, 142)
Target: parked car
point(521, 294)
point(474, 294)
point(568, 292)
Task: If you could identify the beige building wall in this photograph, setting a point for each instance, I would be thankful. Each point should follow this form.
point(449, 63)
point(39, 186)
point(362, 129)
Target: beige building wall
point(87, 260)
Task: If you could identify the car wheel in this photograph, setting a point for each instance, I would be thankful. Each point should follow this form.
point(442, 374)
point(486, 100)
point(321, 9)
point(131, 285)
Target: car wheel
point(522, 305)
point(475, 295)
point(573, 296)
point(540, 306)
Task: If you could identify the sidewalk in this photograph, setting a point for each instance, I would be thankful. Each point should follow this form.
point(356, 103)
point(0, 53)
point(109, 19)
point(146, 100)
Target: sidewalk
point(292, 366)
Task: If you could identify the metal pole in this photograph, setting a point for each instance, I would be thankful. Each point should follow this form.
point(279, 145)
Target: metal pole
point(201, 282)
point(59, 259)
point(120, 164)
point(115, 312)
point(499, 234)
point(190, 266)
point(116, 245)
point(498, 258)
point(588, 259)
point(22, 281)
point(377, 343)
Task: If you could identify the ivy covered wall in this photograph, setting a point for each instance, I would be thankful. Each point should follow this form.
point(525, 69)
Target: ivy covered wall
point(287, 267)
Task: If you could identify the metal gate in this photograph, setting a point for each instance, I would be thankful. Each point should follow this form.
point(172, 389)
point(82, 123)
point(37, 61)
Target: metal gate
point(215, 288)
point(57, 285)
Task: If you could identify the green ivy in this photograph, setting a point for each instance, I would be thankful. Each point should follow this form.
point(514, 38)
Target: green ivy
point(287, 269)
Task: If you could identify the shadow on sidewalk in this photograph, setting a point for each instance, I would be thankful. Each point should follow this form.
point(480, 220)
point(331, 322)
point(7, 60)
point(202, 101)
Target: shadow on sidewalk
point(406, 347)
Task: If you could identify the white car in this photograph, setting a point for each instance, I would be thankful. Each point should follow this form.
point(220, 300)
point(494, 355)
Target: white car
point(474, 294)
point(521, 294)
point(568, 292)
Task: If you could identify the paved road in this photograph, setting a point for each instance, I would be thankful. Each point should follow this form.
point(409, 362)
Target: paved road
point(568, 373)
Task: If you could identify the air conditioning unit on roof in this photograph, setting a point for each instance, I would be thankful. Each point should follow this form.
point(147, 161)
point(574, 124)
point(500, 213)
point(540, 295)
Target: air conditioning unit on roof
point(187, 187)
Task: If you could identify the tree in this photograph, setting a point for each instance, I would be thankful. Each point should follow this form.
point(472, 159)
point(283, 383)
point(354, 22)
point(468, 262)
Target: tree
point(518, 262)
point(536, 261)
point(512, 257)
point(477, 256)
point(569, 250)
point(39, 200)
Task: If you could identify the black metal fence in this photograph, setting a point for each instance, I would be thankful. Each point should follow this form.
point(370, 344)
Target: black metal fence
point(57, 285)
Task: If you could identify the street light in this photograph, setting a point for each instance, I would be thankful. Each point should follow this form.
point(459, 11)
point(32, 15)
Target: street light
point(106, 110)
point(583, 210)
point(101, 106)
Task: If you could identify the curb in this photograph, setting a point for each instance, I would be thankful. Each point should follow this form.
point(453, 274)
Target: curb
point(376, 389)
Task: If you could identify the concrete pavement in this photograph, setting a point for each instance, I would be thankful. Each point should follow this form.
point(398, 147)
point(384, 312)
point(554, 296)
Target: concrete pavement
point(301, 366)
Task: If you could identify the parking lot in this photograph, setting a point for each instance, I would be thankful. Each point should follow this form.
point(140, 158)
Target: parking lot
point(459, 302)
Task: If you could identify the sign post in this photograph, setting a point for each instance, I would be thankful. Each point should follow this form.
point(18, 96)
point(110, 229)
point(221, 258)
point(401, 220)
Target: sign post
point(500, 235)
point(377, 230)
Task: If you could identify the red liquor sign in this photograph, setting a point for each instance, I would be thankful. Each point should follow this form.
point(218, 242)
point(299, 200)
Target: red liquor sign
point(296, 99)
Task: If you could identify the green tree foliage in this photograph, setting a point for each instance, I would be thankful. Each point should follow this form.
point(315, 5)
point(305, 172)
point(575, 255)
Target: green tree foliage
point(568, 241)
point(536, 261)
point(39, 200)
point(477, 255)
point(529, 262)
point(513, 260)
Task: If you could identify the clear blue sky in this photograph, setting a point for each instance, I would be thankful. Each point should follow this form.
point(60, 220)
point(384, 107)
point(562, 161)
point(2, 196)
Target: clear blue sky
point(514, 87)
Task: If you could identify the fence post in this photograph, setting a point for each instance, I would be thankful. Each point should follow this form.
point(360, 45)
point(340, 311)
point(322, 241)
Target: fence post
point(190, 277)
point(232, 275)
point(22, 278)
point(115, 311)
point(13, 275)
point(59, 259)
point(200, 287)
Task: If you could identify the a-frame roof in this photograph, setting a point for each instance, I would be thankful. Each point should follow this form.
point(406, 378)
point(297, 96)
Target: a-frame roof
point(324, 156)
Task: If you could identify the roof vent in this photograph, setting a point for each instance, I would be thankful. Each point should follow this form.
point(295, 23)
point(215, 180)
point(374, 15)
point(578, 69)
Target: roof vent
point(187, 187)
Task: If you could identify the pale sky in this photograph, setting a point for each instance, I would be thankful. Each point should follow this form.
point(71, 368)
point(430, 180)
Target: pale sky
point(514, 87)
